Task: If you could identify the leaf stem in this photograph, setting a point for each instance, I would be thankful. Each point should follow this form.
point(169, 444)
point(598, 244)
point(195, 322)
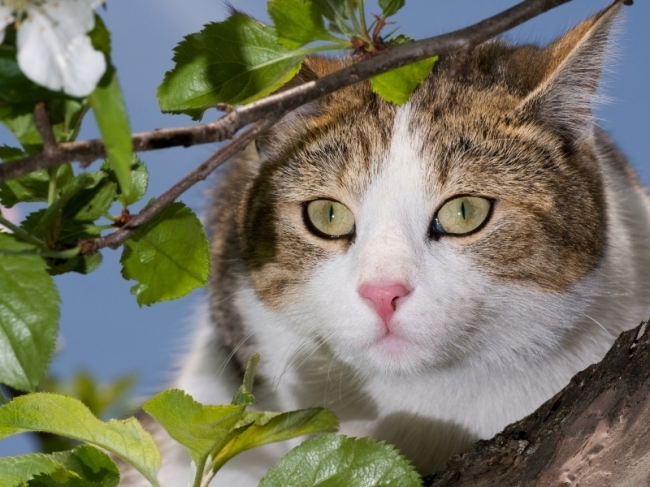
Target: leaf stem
point(279, 103)
point(21, 233)
point(198, 475)
point(221, 155)
point(51, 189)
point(53, 254)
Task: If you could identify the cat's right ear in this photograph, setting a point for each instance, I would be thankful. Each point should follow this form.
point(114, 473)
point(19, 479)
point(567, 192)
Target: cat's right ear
point(265, 143)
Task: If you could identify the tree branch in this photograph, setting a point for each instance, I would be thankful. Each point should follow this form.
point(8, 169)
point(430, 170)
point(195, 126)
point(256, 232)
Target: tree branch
point(42, 122)
point(117, 238)
point(593, 432)
point(275, 106)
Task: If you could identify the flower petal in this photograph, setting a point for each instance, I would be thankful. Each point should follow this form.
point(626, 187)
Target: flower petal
point(84, 69)
point(51, 57)
point(75, 17)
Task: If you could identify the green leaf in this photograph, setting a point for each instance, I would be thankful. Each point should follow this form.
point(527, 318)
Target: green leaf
point(15, 87)
point(334, 10)
point(31, 187)
point(244, 394)
point(298, 22)
point(81, 264)
point(68, 417)
point(46, 224)
point(195, 426)
point(29, 315)
point(65, 117)
point(390, 7)
point(273, 427)
point(93, 201)
point(110, 112)
point(100, 37)
point(93, 467)
point(337, 461)
point(235, 61)
point(84, 466)
point(139, 179)
point(101, 398)
point(16, 471)
point(10, 153)
point(397, 85)
point(168, 256)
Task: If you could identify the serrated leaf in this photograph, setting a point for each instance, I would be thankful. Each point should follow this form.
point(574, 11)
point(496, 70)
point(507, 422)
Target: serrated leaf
point(65, 117)
point(273, 427)
point(297, 22)
point(10, 153)
point(93, 467)
point(195, 426)
point(337, 461)
point(85, 466)
point(100, 37)
point(15, 87)
point(108, 106)
point(101, 398)
point(168, 256)
point(65, 416)
point(398, 85)
point(17, 471)
point(333, 10)
point(139, 179)
point(93, 201)
point(81, 264)
point(390, 7)
point(29, 315)
point(235, 61)
point(46, 224)
point(32, 187)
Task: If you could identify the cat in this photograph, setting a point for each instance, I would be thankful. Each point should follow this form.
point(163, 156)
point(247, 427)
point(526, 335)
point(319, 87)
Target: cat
point(430, 272)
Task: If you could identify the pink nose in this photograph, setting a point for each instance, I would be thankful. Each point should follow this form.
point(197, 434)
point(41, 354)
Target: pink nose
point(384, 298)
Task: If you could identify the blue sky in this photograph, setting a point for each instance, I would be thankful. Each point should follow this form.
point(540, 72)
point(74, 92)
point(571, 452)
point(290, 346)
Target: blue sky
point(102, 328)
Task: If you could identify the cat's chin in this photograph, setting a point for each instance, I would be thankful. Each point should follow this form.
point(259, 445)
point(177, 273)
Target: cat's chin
point(391, 355)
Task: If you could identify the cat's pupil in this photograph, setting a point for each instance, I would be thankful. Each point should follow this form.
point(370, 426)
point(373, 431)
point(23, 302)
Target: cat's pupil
point(331, 213)
point(462, 210)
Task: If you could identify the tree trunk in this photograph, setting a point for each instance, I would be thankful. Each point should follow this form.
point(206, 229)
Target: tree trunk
point(595, 432)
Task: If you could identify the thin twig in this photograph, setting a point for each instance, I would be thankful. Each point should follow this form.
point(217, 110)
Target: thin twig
point(117, 238)
point(276, 105)
point(42, 122)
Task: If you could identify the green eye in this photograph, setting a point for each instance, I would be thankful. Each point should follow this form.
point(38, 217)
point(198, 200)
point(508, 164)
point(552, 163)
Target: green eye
point(329, 218)
point(462, 215)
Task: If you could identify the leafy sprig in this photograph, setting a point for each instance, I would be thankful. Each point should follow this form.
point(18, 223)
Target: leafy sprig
point(253, 60)
point(212, 435)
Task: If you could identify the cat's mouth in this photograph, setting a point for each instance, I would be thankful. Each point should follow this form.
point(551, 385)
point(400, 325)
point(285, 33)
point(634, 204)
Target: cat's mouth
point(393, 343)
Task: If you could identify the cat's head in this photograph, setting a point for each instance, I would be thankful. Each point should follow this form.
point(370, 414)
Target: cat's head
point(461, 226)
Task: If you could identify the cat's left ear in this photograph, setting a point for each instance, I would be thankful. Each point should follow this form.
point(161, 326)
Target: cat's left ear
point(563, 99)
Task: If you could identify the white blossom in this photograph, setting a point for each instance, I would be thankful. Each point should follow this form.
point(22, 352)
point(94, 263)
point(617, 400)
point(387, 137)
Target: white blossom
point(53, 47)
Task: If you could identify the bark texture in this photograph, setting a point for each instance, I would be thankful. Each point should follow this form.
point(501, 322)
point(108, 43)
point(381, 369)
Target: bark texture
point(595, 432)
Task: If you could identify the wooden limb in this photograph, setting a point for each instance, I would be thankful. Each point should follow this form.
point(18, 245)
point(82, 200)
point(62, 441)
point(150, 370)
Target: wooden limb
point(118, 237)
point(595, 432)
point(42, 123)
point(275, 106)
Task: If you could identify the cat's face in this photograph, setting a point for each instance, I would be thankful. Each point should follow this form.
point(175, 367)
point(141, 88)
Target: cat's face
point(457, 227)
